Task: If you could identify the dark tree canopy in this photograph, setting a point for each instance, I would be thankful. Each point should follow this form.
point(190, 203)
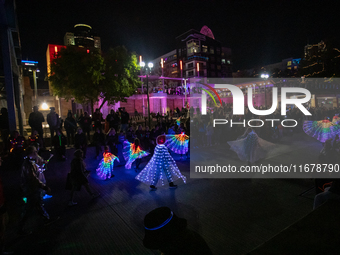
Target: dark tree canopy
point(88, 77)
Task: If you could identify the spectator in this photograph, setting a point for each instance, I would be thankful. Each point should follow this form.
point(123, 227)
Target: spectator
point(80, 142)
point(35, 120)
point(112, 120)
point(59, 144)
point(125, 119)
point(97, 118)
point(165, 232)
point(112, 140)
point(78, 176)
point(53, 121)
point(70, 126)
point(85, 124)
point(99, 141)
point(4, 128)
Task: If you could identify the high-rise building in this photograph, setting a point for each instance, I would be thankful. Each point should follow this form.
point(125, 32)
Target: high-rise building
point(83, 36)
point(197, 54)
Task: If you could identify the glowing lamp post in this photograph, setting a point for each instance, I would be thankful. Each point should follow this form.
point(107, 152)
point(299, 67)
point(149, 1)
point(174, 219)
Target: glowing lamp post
point(147, 70)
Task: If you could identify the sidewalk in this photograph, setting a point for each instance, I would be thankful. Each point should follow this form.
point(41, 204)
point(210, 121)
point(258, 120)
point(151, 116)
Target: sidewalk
point(233, 215)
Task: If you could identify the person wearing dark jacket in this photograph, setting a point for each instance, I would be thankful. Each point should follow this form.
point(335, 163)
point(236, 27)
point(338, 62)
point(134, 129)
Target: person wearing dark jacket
point(97, 119)
point(70, 126)
point(53, 121)
point(78, 176)
point(35, 120)
point(85, 124)
point(80, 142)
point(112, 140)
point(98, 140)
point(59, 143)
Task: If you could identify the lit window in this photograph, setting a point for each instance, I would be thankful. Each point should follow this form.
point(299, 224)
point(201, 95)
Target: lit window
point(223, 61)
point(289, 63)
point(228, 61)
point(204, 48)
point(212, 50)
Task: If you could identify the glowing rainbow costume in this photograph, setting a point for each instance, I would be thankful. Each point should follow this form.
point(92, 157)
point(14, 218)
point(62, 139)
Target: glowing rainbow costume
point(321, 130)
point(105, 167)
point(161, 167)
point(178, 143)
point(336, 120)
point(131, 153)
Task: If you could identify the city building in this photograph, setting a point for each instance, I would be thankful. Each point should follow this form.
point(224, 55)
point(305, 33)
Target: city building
point(82, 36)
point(11, 84)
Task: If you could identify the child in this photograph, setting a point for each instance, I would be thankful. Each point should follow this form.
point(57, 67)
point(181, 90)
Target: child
point(106, 165)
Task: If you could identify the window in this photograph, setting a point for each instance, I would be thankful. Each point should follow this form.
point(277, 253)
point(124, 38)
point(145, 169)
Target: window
point(228, 61)
point(193, 46)
point(295, 67)
point(190, 65)
point(212, 66)
point(289, 63)
point(212, 50)
point(223, 61)
point(204, 48)
point(218, 67)
point(218, 51)
point(191, 73)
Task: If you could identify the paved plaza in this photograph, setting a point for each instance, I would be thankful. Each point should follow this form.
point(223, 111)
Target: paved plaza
point(234, 216)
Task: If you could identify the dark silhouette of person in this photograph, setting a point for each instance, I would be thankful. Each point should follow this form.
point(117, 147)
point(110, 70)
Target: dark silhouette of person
point(35, 121)
point(166, 232)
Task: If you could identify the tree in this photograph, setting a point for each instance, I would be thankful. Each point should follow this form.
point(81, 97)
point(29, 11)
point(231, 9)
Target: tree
point(77, 74)
point(88, 77)
point(121, 75)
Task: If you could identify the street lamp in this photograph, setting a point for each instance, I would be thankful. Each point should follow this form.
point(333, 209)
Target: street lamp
point(147, 70)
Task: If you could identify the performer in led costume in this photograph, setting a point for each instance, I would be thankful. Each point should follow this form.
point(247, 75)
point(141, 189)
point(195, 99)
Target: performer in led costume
point(105, 167)
point(336, 119)
point(161, 167)
point(178, 143)
point(249, 147)
point(321, 130)
point(132, 152)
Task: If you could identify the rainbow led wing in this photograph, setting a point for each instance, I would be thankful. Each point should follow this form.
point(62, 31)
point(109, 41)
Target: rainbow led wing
point(178, 143)
point(321, 130)
point(178, 121)
point(131, 153)
point(106, 165)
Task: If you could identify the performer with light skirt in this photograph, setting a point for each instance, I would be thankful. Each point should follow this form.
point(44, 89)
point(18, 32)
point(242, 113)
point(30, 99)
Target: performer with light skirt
point(249, 147)
point(105, 167)
point(161, 167)
point(179, 144)
point(133, 152)
point(321, 130)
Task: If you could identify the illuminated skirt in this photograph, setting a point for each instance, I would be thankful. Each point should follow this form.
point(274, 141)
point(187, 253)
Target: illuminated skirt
point(161, 167)
point(321, 130)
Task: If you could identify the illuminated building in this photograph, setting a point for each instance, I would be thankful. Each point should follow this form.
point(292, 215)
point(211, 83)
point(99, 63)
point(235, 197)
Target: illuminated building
point(192, 48)
point(82, 36)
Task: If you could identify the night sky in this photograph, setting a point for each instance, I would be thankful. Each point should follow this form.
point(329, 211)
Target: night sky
point(258, 32)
